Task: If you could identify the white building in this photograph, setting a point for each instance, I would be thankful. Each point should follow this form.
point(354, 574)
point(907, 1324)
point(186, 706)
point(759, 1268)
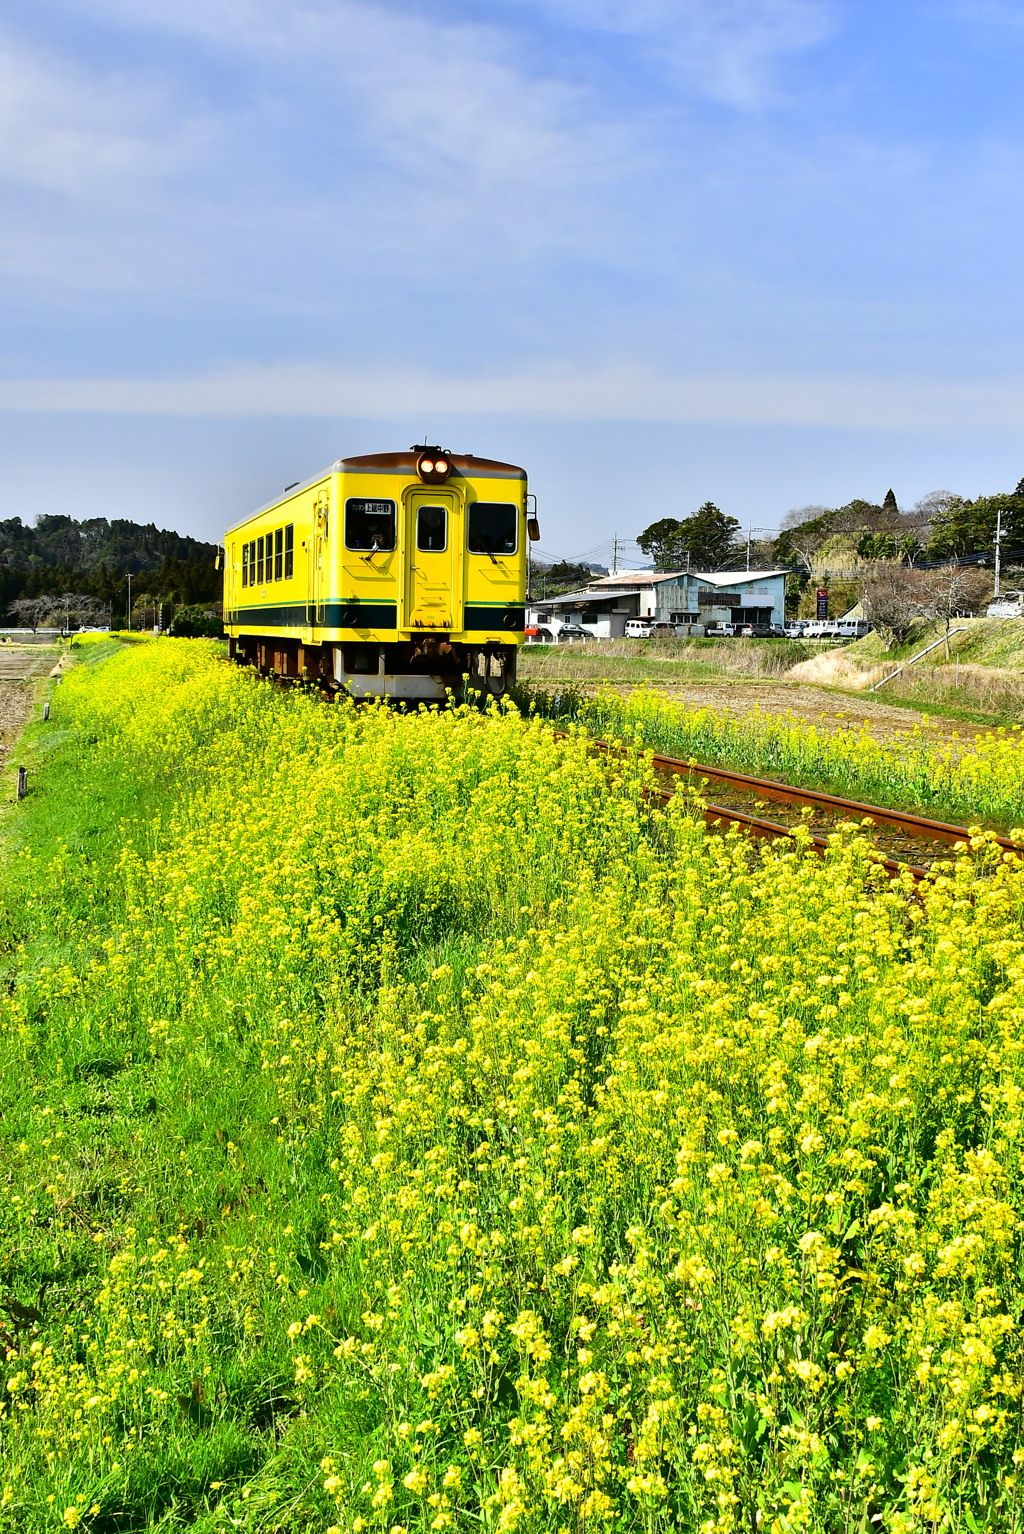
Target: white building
point(690, 598)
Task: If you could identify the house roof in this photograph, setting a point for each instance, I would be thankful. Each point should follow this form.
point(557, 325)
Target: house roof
point(733, 577)
point(646, 578)
point(587, 596)
point(632, 578)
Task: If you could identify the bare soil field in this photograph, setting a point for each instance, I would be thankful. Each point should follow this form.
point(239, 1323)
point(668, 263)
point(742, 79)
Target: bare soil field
point(20, 666)
point(22, 663)
point(819, 706)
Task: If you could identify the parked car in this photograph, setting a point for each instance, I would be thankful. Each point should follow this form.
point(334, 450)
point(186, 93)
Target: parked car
point(763, 631)
point(796, 628)
point(638, 628)
point(721, 630)
point(570, 632)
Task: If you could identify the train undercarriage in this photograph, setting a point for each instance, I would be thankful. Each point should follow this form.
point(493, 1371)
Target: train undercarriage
point(427, 668)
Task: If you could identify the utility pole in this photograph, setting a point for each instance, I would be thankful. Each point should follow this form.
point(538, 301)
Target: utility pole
point(128, 625)
point(999, 539)
point(615, 556)
point(749, 531)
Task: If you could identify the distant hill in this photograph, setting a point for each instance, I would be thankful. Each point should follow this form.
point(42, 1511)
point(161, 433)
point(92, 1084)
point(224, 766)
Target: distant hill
point(119, 545)
point(94, 557)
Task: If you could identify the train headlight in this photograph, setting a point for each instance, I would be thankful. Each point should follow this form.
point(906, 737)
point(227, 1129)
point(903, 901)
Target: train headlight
point(431, 468)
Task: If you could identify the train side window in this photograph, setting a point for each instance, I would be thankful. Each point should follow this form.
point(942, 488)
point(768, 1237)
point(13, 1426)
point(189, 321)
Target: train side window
point(492, 527)
point(259, 561)
point(432, 528)
point(279, 554)
point(289, 551)
point(245, 564)
point(369, 524)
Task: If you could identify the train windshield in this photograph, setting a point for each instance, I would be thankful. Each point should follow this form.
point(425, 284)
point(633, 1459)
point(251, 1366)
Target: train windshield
point(492, 528)
point(369, 524)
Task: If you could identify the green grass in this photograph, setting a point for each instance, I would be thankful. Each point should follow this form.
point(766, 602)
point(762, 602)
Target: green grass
point(406, 1126)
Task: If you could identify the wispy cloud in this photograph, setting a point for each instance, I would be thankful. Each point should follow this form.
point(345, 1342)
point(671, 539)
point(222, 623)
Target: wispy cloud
point(416, 91)
point(81, 133)
point(385, 142)
point(613, 392)
point(728, 49)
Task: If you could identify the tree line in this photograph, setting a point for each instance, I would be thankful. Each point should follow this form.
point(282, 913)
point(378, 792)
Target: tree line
point(62, 570)
point(942, 526)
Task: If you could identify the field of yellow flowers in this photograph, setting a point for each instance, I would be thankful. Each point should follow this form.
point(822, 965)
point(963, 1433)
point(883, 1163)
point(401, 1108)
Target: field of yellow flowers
point(406, 1127)
point(958, 780)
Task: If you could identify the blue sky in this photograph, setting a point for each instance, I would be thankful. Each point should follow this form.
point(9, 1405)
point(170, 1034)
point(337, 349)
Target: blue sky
point(763, 251)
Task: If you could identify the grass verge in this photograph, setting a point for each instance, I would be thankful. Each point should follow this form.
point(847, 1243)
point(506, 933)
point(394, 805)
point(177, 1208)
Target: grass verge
point(407, 1128)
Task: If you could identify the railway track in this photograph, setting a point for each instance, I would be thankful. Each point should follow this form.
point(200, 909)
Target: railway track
point(909, 843)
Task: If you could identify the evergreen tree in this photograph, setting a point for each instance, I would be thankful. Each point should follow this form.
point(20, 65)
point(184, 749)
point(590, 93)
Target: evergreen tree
point(970, 527)
point(704, 541)
point(59, 555)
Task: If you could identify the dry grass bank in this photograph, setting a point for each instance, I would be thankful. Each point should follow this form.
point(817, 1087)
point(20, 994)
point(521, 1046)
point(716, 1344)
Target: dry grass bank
point(983, 678)
point(983, 674)
point(652, 660)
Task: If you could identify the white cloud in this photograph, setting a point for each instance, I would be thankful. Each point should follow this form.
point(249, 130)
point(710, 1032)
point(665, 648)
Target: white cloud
point(80, 133)
point(417, 91)
point(358, 140)
point(613, 392)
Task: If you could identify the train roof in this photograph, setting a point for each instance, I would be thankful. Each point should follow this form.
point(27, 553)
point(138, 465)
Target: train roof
point(464, 465)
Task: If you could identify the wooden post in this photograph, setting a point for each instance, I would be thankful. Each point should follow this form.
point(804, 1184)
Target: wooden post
point(22, 782)
point(46, 711)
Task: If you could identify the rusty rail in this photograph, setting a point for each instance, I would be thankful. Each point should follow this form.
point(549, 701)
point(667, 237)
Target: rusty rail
point(917, 826)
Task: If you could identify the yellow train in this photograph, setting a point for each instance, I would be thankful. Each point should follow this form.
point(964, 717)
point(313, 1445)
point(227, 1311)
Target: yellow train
point(396, 575)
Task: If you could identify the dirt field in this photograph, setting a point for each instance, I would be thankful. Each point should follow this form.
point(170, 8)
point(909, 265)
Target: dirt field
point(23, 663)
point(813, 705)
point(20, 666)
point(15, 707)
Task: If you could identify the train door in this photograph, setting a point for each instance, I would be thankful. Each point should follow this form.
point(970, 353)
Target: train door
point(318, 568)
point(430, 542)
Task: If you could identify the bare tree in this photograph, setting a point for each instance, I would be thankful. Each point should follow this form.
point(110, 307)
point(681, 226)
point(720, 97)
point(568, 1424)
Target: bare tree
point(952, 591)
point(892, 600)
point(32, 610)
point(73, 607)
point(801, 514)
point(921, 516)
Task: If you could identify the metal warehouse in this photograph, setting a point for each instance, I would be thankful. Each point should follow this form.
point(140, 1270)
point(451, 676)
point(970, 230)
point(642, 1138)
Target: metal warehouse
point(691, 598)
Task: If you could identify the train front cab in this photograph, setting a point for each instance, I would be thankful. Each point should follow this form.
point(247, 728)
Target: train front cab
point(413, 582)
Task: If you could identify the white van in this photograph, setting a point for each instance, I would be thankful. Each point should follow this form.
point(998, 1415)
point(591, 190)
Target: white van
point(638, 628)
point(836, 628)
